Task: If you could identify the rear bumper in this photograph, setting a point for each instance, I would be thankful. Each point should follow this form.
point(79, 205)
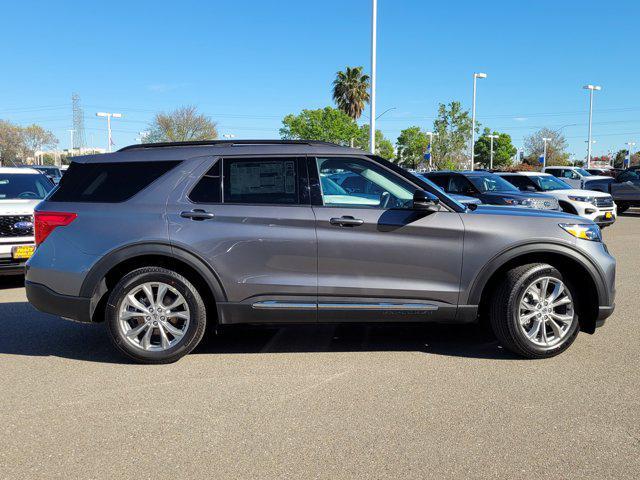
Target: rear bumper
point(48, 301)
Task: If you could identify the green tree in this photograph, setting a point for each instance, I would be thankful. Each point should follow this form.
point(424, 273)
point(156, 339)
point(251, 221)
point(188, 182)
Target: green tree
point(181, 125)
point(327, 124)
point(556, 148)
point(453, 134)
point(384, 147)
point(351, 91)
point(37, 138)
point(18, 143)
point(11, 143)
point(412, 145)
point(503, 149)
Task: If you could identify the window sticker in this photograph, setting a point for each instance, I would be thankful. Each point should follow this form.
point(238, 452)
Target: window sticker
point(262, 177)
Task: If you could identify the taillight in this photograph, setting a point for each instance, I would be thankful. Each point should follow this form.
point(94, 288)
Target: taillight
point(46, 222)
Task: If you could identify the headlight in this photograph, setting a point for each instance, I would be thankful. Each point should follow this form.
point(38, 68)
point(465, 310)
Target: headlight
point(591, 200)
point(527, 202)
point(585, 231)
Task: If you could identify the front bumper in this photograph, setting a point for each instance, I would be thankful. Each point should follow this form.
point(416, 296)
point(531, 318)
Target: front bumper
point(12, 268)
point(8, 265)
point(66, 306)
point(603, 314)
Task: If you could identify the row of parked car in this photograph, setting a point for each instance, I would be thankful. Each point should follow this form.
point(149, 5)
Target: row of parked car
point(569, 189)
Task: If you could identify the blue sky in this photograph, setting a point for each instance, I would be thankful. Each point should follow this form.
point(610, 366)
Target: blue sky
point(248, 63)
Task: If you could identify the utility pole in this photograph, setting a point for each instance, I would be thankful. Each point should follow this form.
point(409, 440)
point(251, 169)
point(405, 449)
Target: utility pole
point(108, 115)
point(473, 117)
point(372, 120)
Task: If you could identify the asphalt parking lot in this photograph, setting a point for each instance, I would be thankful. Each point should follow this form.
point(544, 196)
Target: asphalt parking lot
point(323, 402)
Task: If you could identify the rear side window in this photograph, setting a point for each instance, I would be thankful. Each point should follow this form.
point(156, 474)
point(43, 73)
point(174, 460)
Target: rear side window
point(521, 183)
point(108, 182)
point(440, 180)
point(261, 181)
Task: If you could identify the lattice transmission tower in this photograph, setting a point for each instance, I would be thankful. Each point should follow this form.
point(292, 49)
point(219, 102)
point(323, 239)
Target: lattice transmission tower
point(79, 140)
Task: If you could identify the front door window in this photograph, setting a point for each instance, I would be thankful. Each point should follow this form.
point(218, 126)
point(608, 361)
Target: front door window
point(354, 182)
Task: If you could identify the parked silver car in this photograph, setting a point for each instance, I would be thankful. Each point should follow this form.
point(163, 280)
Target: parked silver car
point(161, 240)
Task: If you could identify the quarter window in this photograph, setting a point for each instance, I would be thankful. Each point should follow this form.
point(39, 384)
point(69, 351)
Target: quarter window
point(208, 189)
point(261, 181)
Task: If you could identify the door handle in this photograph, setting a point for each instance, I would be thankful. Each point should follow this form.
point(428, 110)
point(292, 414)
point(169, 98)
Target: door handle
point(346, 221)
point(197, 214)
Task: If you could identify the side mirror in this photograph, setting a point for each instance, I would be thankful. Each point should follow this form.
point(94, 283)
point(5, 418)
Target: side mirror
point(425, 201)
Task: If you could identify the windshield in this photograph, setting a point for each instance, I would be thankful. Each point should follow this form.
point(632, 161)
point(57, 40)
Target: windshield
point(491, 183)
point(548, 183)
point(24, 186)
point(583, 172)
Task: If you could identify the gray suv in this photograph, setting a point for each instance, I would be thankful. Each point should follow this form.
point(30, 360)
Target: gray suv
point(161, 240)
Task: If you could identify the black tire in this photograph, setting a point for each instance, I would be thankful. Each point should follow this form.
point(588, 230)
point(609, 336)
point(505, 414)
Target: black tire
point(197, 322)
point(623, 207)
point(503, 312)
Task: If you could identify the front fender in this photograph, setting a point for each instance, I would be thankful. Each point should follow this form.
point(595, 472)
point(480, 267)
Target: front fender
point(540, 248)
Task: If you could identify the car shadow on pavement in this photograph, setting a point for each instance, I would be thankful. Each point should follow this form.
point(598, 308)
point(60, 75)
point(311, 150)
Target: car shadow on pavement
point(472, 341)
point(631, 213)
point(28, 332)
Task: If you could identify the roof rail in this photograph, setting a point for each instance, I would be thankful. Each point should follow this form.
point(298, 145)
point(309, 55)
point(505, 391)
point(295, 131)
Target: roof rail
point(231, 143)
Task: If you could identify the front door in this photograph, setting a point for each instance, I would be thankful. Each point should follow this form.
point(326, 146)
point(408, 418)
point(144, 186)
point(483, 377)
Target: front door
point(378, 259)
point(250, 219)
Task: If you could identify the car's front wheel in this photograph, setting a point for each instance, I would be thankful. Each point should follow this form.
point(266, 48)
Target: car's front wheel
point(155, 315)
point(533, 312)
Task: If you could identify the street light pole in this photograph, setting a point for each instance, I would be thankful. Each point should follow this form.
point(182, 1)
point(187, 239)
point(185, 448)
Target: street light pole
point(109, 115)
point(372, 118)
point(431, 135)
point(473, 116)
point(591, 89)
point(630, 144)
point(544, 155)
point(71, 132)
point(492, 137)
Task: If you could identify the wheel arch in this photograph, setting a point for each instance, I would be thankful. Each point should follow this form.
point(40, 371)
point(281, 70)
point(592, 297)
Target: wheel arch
point(108, 270)
point(567, 207)
point(577, 267)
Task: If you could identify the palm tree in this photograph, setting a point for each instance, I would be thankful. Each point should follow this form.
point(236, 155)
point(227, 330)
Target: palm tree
point(351, 91)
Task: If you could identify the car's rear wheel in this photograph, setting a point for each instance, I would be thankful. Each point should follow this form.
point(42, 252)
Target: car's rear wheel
point(623, 207)
point(534, 311)
point(155, 315)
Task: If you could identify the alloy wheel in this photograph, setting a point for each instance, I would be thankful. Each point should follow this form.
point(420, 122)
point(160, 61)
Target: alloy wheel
point(546, 312)
point(154, 316)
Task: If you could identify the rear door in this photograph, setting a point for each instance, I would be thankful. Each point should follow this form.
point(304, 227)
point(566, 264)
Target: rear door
point(251, 220)
point(378, 259)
